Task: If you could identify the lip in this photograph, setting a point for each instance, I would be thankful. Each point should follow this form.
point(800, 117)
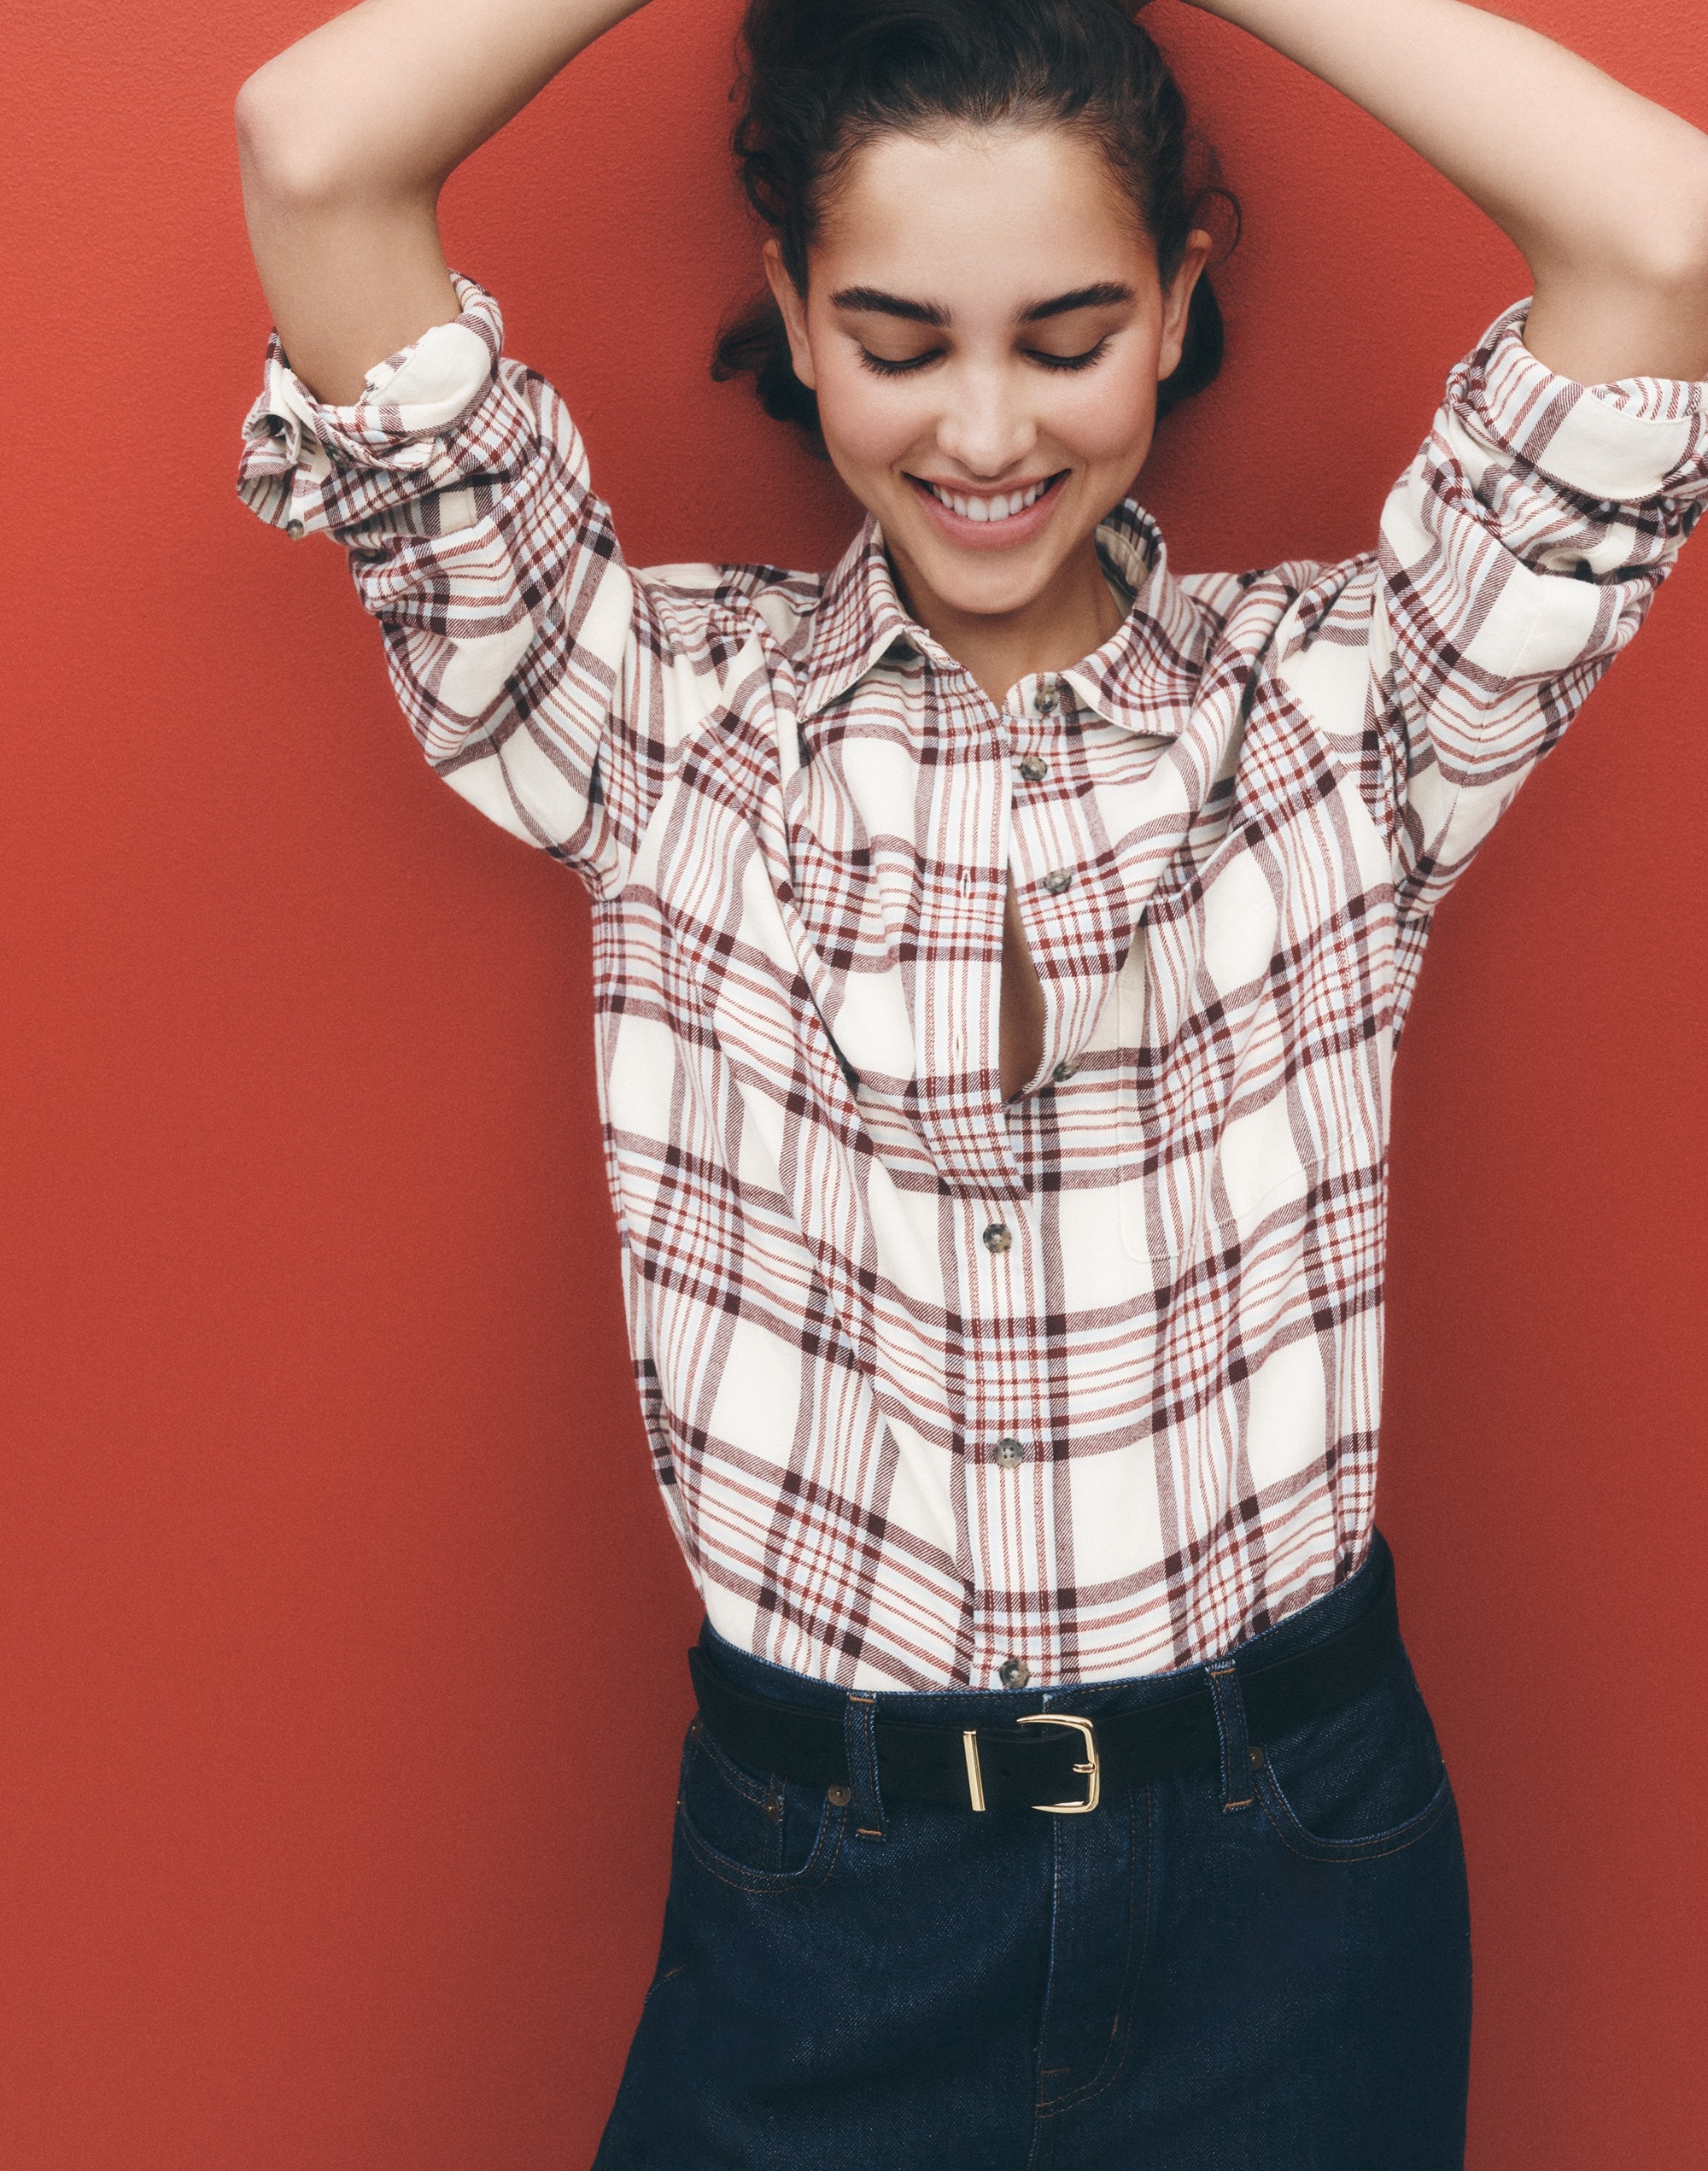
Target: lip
point(990, 535)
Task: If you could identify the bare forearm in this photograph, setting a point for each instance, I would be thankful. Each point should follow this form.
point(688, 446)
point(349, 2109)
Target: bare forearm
point(1605, 193)
point(346, 140)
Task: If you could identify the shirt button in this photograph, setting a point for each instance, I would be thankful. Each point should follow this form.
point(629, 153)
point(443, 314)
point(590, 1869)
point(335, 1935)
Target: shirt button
point(1010, 1454)
point(1014, 1673)
point(996, 1236)
point(1048, 699)
point(1064, 1071)
point(296, 531)
point(1057, 880)
point(1034, 768)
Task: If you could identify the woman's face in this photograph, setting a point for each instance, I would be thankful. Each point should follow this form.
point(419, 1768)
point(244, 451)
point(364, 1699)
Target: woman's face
point(984, 328)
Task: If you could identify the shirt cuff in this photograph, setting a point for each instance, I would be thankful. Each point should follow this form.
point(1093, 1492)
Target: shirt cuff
point(1626, 443)
point(429, 418)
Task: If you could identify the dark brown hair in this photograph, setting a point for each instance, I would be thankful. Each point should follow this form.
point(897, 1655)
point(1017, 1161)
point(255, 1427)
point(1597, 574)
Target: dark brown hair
point(821, 77)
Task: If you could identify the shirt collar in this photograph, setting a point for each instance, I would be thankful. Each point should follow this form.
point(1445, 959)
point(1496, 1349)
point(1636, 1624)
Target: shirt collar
point(858, 621)
point(1144, 677)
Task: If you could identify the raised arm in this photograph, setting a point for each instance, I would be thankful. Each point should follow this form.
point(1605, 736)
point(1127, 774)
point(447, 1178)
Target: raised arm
point(346, 140)
point(1605, 194)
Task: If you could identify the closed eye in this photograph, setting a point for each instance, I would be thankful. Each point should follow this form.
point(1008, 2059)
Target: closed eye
point(909, 365)
point(1069, 361)
point(881, 366)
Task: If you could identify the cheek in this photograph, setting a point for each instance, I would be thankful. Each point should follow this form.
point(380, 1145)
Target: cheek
point(866, 422)
point(1107, 415)
point(864, 435)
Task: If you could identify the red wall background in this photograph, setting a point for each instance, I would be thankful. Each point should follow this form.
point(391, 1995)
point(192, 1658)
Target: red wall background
point(332, 1586)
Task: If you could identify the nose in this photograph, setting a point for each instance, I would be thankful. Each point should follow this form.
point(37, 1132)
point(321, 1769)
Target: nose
point(986, 429)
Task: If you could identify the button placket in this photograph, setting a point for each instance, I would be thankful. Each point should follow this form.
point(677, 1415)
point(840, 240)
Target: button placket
point(1007, 1484)
point(1045, 825)
point(1003, 1467)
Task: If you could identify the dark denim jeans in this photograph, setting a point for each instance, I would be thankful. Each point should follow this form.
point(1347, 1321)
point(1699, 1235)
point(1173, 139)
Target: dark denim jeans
point(1265, 1965)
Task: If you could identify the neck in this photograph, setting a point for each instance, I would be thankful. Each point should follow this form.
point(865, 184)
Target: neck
point(1076, 613)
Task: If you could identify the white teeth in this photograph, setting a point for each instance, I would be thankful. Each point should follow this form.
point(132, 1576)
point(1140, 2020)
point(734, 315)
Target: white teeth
point(983, 509)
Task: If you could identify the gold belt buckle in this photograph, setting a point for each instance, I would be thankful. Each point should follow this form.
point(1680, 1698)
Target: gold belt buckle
point(1093, 1772)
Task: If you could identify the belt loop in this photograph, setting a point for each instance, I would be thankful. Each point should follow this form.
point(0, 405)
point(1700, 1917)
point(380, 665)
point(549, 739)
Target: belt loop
point(860, 1743)
point(1230, 1703)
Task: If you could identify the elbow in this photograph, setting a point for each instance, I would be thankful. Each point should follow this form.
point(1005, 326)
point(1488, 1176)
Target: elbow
point(289, 153)
point(272, 145)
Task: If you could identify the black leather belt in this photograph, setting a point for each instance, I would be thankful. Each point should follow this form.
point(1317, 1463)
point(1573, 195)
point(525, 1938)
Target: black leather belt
point(1053, 1760)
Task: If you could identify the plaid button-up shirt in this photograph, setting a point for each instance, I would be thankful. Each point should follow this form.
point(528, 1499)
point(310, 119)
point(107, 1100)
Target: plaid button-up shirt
point(940, 1390)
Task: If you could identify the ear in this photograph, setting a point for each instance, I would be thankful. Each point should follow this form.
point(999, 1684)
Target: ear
point(1178, 301)
point(793, 304)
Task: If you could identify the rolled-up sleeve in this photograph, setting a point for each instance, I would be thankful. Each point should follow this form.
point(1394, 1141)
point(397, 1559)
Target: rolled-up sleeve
point(533, 669)
point(1519, 553)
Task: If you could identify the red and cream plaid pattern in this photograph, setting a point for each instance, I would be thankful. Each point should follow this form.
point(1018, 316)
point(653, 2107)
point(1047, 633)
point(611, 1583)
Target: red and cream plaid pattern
point(1089, 1383)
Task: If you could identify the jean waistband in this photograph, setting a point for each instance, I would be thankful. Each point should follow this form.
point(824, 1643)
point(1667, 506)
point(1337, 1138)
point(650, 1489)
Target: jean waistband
point(1310, 1624)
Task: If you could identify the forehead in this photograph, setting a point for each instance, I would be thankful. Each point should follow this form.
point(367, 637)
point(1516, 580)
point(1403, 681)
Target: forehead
point(970, 216)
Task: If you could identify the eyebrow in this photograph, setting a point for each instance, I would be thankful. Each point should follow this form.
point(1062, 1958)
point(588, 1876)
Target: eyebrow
point(1107, 294)
point(872, 301)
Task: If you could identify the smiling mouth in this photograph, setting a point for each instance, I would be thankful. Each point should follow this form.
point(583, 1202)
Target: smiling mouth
point(987, 507)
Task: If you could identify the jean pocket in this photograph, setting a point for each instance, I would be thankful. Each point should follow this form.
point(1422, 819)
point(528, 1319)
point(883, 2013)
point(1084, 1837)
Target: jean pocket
point(751, 1829)
point(1361, 1782)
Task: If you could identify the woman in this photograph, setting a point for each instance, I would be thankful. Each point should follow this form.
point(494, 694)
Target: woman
point(1001, 947)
